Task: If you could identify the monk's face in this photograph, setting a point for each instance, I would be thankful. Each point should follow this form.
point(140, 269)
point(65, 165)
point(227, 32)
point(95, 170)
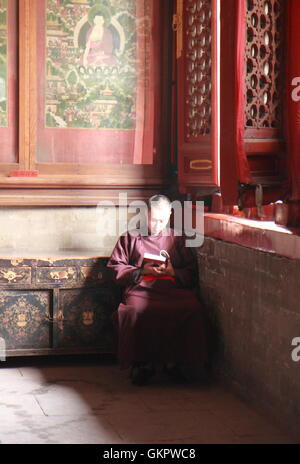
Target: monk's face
point(158, 219)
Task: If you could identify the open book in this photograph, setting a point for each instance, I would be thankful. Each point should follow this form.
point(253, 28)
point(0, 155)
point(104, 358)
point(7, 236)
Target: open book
point(156, 259)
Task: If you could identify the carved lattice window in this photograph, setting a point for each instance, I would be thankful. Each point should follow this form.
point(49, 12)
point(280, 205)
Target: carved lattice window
point(199, 68)
point(198, 93)
point(264, 63)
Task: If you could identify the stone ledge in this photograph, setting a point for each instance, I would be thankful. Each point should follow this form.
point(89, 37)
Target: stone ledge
point(260, 235)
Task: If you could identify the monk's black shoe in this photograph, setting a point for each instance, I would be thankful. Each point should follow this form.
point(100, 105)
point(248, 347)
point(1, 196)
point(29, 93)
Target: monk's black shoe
point(175, 373)
point(140, 375)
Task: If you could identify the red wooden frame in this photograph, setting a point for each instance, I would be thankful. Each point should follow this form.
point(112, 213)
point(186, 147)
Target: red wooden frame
point(198, 160)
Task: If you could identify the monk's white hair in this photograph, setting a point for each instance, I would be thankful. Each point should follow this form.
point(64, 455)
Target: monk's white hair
point(159, 201)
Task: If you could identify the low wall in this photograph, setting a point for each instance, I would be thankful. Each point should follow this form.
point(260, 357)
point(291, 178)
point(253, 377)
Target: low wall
point(253, 302)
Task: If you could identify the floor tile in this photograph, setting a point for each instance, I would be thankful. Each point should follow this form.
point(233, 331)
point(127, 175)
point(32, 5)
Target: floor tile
point(84, 429)
point(86, 402)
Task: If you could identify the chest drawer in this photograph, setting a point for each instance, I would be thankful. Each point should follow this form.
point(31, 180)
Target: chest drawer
point(15, 275)
point(56, 275)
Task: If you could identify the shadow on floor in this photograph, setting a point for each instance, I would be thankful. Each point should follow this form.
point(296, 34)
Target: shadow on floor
point(88, 399)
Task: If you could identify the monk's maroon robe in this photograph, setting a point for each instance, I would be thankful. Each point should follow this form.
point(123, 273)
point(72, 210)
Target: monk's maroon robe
point(160, 320)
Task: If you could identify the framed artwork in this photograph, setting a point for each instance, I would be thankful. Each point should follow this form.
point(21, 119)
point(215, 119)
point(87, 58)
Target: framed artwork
point(97, 75)
point(85, 99)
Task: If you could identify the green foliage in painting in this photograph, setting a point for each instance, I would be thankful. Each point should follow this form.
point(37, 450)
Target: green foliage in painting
point(91, 63)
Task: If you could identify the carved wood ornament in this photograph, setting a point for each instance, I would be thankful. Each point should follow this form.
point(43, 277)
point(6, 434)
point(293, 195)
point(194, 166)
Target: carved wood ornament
point(264, 63)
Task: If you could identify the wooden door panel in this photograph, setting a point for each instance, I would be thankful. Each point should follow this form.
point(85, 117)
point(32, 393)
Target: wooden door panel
point(197, 71)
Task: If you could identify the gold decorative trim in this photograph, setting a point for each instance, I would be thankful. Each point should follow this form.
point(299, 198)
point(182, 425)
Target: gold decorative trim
point(10, 275)
point(197, 165)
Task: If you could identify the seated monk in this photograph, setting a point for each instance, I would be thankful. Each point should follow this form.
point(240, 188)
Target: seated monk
point(160, 321)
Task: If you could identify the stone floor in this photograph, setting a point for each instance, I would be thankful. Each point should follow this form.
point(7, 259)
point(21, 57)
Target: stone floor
point(52, 401)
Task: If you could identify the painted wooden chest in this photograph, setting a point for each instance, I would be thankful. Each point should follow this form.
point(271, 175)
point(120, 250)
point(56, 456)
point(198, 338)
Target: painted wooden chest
point(59, 304)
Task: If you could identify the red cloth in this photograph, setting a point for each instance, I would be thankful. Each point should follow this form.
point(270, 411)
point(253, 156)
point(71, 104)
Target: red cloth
point(244, 174)
point(151, 278)
point(293, 107)
point(158, 320)
point(234, 166)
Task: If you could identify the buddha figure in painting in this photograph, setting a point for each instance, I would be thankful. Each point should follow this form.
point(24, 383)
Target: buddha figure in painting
point(99, 50)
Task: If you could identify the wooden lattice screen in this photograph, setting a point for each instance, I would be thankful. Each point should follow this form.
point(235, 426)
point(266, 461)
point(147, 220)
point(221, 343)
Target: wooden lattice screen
point(199, 69)
point(264, 63)
point(197, 93)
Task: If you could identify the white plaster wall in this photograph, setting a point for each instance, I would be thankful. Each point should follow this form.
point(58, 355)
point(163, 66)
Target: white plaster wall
point(60, 228)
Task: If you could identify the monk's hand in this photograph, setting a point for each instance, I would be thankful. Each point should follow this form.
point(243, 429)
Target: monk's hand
point(150, 269)
point(165, 270)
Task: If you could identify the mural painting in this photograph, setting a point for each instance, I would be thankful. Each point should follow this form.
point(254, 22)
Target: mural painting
point(3, 63)
point(94, 62)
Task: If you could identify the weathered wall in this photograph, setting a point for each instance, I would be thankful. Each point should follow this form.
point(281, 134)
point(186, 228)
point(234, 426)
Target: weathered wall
point(253, 302)
point(58, 228)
